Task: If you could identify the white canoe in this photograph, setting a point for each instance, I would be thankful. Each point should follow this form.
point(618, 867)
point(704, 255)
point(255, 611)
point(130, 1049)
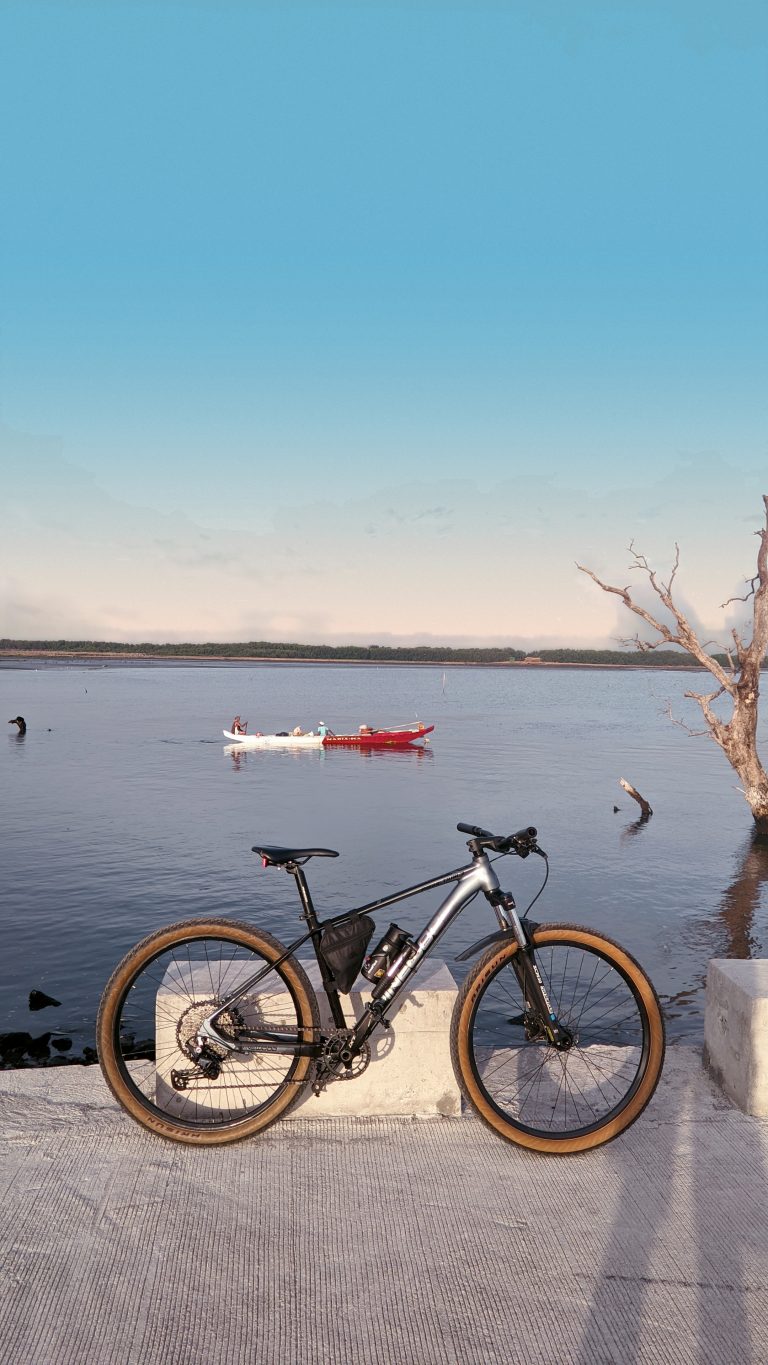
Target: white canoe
point(308, 741)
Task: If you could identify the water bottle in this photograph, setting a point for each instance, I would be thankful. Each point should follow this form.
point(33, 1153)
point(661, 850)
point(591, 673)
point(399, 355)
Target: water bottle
point(378, 962)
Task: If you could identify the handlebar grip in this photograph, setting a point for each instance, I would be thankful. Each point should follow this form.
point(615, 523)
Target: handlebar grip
point(526, 834)
point(475, 830)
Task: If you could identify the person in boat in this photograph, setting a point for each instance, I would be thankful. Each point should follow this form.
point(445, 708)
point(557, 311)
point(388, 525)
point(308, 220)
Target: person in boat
point(238, 726)
point(22, 724)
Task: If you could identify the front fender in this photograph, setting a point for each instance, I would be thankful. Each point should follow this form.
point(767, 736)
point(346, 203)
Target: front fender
point(499, 936)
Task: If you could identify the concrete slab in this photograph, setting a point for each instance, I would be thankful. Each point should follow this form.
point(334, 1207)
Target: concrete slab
point(390, 1241)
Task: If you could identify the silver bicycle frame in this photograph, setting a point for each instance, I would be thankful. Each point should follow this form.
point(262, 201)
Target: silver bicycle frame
point(479, 876)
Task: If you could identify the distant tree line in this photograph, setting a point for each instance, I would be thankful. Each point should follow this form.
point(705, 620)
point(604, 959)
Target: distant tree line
point(265, 649)
point(663, 658)
point(430, 654)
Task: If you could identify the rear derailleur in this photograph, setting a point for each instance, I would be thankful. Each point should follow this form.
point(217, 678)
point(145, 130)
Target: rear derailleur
point(207, 1057)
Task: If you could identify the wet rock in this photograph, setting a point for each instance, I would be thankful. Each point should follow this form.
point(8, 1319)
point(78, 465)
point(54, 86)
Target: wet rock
point(38, 1000)
point(21, 1049)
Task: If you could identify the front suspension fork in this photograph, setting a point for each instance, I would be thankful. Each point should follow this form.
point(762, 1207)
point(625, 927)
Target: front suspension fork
point(540, 1015)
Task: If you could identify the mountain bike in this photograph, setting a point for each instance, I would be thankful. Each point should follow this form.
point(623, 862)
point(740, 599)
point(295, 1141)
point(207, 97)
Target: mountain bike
point(209, 1030)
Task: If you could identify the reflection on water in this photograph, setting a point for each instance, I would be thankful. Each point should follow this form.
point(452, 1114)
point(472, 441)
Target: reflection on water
point(740, 905)
point(119, 815)
point(408, 752)
point(735, 929)
point(636, 827)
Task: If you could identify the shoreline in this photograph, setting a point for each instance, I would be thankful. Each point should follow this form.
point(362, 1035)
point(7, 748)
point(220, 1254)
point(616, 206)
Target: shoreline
point(108, 656)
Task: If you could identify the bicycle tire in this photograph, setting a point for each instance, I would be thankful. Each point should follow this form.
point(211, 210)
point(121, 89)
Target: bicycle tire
point(504, 1069)
point(148, 1014)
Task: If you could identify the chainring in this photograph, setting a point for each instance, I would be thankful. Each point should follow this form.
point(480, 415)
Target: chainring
point(331, 1056)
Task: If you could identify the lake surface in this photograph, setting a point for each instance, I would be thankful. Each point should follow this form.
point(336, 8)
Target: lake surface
point(120, 811)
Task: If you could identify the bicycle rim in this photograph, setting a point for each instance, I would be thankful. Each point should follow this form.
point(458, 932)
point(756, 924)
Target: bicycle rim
point(525, 1088)
point(151, 1011)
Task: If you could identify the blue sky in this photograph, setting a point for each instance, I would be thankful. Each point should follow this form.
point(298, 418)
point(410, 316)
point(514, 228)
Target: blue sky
point(366, 321)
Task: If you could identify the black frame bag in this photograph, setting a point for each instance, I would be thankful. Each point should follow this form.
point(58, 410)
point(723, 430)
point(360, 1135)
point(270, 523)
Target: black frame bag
point(343, 947)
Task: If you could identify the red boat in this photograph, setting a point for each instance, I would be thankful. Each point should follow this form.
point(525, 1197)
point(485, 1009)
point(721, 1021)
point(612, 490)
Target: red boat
point(368, 738)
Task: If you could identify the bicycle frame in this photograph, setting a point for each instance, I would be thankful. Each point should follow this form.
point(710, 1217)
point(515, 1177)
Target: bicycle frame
point(478, 876)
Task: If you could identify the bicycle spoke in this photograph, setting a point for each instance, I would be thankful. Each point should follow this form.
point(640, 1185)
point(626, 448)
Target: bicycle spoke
point(545, 1089)
point(158, 1023)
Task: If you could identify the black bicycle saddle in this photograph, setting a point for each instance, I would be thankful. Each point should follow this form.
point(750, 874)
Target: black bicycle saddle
point(278, 856)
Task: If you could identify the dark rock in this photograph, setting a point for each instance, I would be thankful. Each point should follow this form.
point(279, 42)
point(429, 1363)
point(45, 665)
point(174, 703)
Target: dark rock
point(38, 1000)
point(17, 1048)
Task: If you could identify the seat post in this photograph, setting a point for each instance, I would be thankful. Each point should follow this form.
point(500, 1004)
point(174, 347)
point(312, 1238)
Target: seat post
point(337, 1011)
point(304, 896)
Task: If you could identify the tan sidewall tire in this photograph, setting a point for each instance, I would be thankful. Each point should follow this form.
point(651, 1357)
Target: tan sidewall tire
point(461, 1056)
point(258, 941)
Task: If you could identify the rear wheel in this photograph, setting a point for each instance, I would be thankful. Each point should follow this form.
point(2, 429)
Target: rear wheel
point(528, 1090)
point(153, 1006)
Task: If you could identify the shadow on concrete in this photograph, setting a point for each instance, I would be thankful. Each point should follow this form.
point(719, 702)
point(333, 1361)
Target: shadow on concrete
point(670, 1190)
point(684, 1254)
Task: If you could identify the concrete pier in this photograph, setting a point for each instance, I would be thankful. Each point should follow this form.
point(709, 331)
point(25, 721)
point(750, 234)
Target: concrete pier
point(390, 1241)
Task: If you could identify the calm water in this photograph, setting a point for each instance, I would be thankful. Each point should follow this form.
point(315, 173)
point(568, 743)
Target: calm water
point(121, 811)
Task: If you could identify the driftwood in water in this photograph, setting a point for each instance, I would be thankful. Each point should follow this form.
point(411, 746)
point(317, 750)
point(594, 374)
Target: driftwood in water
point(641, 801)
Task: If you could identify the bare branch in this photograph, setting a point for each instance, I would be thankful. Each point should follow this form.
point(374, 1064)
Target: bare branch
point(642, 646)
point(718, 728)
point(751, 593)
point(674, 570)
point(737, 736)
point(624, 594)
point(726, 649)
point(695, 734)
point(685, 636)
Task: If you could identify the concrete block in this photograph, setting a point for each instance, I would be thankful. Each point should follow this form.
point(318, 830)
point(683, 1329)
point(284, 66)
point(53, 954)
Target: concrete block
point(736, 1030)
point(410, 1071)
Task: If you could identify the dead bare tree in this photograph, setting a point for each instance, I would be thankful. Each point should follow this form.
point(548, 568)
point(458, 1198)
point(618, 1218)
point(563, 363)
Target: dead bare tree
point(739, 681)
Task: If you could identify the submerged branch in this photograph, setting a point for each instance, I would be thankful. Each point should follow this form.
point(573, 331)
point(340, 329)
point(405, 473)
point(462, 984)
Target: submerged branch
point(641, 801)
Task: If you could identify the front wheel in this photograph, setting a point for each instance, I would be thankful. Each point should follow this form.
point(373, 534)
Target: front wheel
point(550, 1099)
point(152, 1009)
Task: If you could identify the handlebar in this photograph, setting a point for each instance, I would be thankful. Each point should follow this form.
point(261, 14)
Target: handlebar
point(522, 843)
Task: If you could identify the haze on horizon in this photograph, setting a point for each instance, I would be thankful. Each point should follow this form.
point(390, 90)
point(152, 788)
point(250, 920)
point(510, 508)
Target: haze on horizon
point(363, 324)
